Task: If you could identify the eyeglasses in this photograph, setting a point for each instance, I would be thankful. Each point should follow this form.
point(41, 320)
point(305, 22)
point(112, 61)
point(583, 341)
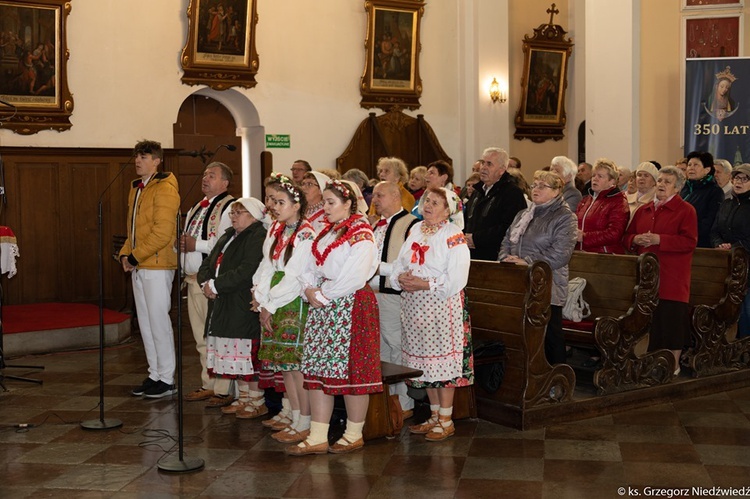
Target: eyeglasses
point(742, 178)
point(237, 213)
point(541, 186)
point(309, 184)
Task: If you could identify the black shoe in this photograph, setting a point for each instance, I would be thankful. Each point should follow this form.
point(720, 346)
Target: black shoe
point(159, 390)
point(147, 384)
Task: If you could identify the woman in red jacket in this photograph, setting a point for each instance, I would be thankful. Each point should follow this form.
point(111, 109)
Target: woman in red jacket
point(603, 214)
point(668, 227)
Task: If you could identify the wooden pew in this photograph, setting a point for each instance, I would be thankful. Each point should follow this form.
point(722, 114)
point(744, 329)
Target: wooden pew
point(378, 421)
point(622, 291)
point(511, 303)
point(718, 282)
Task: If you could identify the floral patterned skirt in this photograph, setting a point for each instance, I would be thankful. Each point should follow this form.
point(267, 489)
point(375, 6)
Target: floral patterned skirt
point(342, 346)
point(437, 340)
point(233, 358)
point(281, 349)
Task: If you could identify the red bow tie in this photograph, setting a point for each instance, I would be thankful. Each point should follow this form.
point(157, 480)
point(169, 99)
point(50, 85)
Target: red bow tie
point(205, 203)
point(381, 223)
point(418, 251)
point(140, 185)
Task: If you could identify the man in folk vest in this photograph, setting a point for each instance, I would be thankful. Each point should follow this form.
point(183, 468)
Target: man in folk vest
point(203, 228)
point(390, 231)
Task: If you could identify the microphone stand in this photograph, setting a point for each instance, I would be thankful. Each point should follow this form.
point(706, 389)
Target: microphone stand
point(101, 423)
point(181, 464)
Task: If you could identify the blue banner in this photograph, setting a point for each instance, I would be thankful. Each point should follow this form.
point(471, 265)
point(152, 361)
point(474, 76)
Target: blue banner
point(717, 108)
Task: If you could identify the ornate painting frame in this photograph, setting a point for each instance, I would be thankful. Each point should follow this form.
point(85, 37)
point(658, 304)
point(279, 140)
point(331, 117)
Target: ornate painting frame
point(392, 46)
point(34, 93)
point(712, 4)
point(541, 113)
point(220, 47)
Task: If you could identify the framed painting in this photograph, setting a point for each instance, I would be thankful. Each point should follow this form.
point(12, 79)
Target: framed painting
point(391, 75)
point(712, 4)
point(714, 36)
point(220, 48)
point(34, 93)
point(541, 114)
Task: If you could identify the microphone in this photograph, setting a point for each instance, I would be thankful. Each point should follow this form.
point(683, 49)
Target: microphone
point(230, 147)
point(192, 154)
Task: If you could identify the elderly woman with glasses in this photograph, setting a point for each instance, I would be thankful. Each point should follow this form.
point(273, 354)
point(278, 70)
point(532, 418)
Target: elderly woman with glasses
point(668, 227)
point(232, 328)
point(546, 231)
point(431, 270)
point(732, 228)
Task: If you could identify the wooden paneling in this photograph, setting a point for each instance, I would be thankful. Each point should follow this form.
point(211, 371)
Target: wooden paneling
point(52, 207)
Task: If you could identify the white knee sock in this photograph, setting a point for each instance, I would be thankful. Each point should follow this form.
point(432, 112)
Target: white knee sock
point(303, 423)
point(318, 434)
point(352, 433)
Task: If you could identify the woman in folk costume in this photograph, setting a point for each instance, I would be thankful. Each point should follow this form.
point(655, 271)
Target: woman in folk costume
point(232, 329)
point(342, 334)
point(278, 293)
point(312, 187)
point(432, 270)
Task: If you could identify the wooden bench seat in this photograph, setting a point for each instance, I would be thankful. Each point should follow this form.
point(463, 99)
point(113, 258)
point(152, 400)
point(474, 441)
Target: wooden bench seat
point(378, 421)
point(718, 281)
point(622, 292)
point(511, 303)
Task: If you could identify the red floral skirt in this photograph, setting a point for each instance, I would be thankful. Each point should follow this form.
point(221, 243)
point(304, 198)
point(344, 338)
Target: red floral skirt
point(359, 328)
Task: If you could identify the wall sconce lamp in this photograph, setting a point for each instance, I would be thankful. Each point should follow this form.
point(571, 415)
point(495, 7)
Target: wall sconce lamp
point(495, 93)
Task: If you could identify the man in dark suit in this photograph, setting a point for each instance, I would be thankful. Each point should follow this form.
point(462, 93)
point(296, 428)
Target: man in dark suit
point(492, 206)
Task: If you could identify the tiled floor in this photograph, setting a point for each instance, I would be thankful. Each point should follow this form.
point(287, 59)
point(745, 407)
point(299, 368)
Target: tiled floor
point(699, 442)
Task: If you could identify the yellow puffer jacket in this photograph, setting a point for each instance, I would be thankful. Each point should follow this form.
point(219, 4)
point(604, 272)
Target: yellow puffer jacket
point(152, 245)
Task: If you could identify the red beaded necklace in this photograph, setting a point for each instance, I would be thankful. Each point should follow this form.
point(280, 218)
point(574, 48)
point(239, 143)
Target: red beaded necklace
point(350, 231)
point(280, 243)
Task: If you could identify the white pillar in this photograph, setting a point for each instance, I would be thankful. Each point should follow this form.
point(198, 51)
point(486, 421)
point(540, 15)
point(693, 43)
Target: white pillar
point(612, 47)
point(483, 54)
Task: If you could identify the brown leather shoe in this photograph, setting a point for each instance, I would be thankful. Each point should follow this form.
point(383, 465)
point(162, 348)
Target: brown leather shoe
point(251, 411)
point(338, 448)
point(441, 430)
point(305, 449)
point(235, 406)
point(219, 401)
point(199, 394)
point(422, 429)
point(268, 423)
point(291, 436)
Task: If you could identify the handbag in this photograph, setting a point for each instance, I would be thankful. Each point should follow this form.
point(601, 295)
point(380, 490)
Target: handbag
point(576, 309)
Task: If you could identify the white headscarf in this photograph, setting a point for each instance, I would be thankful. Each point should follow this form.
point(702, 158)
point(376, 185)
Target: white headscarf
point(361, 203)
point(321, 178)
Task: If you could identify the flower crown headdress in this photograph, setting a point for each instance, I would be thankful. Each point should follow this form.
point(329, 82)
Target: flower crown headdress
point(287, 184)
point(339, 186)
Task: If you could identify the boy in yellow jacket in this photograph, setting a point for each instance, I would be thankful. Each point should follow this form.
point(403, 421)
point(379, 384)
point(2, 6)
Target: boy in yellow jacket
point(149, 255)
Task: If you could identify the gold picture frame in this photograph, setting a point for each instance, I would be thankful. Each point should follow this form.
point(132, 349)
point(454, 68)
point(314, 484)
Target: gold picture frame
point(34, 93)
point(220, 48)
point(541, 113)
point(392, 46)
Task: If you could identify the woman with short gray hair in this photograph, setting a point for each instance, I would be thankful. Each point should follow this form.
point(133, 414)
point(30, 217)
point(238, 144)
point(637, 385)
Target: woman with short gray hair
point(668, 227)
point(567, 171)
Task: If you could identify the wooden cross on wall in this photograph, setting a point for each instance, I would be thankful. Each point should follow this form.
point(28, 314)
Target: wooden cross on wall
point(552, 11)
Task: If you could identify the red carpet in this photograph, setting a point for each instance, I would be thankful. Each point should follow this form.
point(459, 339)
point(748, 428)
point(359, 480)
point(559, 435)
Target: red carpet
point(46, 316)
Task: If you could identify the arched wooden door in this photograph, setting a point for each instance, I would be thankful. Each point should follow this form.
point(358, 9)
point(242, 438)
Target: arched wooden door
point(204, 125)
